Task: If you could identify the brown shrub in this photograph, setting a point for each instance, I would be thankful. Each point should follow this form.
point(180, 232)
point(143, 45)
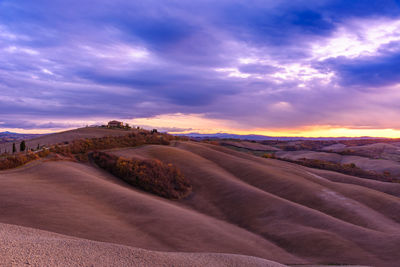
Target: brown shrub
point(215, 143)
point(17, 160)
point(43, 153)
point(152, 176)
point(269, 155)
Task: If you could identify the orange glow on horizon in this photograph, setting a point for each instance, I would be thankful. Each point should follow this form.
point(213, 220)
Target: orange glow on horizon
point(198, 123)
point(331, 132)
point(323, 132)
point(201, 124)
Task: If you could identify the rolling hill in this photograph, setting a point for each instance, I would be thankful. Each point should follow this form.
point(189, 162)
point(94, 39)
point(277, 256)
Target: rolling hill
point(365, 163)
point(243, 210)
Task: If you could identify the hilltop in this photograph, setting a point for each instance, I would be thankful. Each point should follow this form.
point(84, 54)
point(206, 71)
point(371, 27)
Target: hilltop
point(32, 141)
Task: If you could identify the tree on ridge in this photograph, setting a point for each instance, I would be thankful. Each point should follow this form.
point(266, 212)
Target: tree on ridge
point(22, 146)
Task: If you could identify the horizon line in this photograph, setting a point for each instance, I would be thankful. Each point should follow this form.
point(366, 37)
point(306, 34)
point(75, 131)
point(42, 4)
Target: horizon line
point(224, 132)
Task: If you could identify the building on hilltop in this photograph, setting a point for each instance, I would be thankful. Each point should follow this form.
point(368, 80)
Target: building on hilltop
point(115, 124)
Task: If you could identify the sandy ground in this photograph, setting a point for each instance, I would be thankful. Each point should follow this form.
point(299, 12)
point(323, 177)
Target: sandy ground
point(21, 246)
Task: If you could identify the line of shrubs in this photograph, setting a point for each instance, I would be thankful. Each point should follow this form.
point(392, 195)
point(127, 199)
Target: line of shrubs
point(152, 176)
point(20, 159)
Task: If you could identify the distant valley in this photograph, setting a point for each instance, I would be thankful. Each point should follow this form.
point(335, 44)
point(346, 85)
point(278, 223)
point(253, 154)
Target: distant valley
point(255, 137)
point(367, 158)
point(12, 137)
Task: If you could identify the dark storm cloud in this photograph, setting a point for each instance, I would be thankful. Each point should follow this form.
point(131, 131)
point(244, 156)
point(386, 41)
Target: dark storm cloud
point(83, 59)
point(369, 72)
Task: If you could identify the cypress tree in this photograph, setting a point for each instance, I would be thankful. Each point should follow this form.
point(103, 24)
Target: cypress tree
point(14, 149)
point(22, 146)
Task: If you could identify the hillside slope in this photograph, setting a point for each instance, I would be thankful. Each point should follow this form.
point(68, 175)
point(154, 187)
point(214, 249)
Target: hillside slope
point(365, 163)
point(240, 204)
point(82, 201)
point(20, 246)
point(377, 150)
point(294, 207)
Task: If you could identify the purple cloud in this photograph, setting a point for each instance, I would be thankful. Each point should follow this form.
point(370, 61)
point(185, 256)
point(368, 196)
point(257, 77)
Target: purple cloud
point(265, 64)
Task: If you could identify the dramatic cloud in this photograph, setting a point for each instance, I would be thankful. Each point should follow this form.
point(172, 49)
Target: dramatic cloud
point(251, 65)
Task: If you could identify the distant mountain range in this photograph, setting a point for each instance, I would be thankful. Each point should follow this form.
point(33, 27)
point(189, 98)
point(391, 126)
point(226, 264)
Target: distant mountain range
point(12, 137)
point(264, 137)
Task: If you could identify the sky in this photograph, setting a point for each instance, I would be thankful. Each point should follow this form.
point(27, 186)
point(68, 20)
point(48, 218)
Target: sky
point(273, 67)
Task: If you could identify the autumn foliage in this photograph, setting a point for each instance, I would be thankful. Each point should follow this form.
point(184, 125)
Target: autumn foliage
point(152, 176)
point(14, 161)
point(17, 160)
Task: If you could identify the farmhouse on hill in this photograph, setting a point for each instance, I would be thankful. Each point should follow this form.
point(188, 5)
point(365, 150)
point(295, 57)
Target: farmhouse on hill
point(115, 124)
